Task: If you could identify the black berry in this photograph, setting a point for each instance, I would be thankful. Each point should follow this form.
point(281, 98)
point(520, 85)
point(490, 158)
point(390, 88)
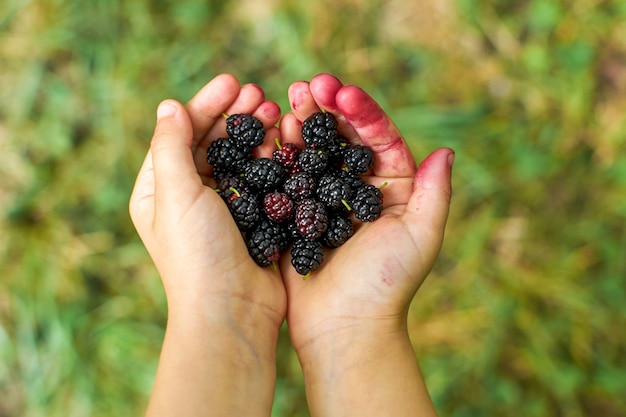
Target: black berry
point(266, 242)
point(278, 206)
point(367, 203)
point(311, 219)
point(358, 159)
point(227, 155)
point(314, 161)
point(244, 209)
point(246, 129)
point(306, 256)
point(300, 186)
point(319, 130)
point(264, 175)
point(340, 229)
point(286, 155)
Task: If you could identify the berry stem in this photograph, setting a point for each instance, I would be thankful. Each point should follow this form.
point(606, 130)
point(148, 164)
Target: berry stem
point(278, 144)
point(345, 203)
point(226, 116)
point(234, 190)
point(304, 277)
point(383, 185)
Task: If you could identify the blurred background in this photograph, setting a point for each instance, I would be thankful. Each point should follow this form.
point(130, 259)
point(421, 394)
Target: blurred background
point(524, 312)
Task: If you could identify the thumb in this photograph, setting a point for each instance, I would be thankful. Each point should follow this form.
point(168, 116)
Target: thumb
point(427, 210)
point(170, 147)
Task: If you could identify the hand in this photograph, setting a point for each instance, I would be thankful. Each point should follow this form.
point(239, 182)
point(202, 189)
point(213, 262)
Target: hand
point(224, 312)
point(183, 223)
point(353, 310)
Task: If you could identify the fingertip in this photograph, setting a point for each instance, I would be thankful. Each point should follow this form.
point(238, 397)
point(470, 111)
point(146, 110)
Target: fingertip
point(358, 106)
point(324, 88)
point(269, 113)
point(300, 99)
point(436, 169)
point(167, 108)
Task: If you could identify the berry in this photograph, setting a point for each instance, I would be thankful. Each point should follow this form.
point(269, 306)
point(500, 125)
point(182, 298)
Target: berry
point(264, 175)
point(311, 219)
point(246, 129)
point(232, 187)
point(314, 161)
point(299, 186)
point(266, 242)
point(299, 196)
point(333, 191)
point(340, 229)
point(358, 159)
point(245, 210)
point(225, 154)
point(286, 155)
point(354, 181)
point(367, 203)
point(319, 130)
point(278, 206)
point(335, 152)
point(306, 256)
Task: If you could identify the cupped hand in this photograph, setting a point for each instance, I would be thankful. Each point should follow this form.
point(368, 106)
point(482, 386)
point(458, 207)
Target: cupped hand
point(185, 226)
point(373, 277)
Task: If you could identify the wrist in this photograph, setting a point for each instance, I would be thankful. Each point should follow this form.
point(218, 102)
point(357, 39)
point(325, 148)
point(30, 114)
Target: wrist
point(213, 355)
point(347, 341)
point(369, 369)
point(216, 319)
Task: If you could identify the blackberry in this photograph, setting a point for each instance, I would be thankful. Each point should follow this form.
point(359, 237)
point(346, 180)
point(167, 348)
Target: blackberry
point(314, 161)
point(292, 231)
point(286, 154)
point(245, 210)
point(264, 175)
point(335, 152)
point(246, 129)
point(299, 186)
point(220, 173)
point(333, 191)
point(354, 181)
point(358, 159)
point(367, 203)
point(311, 219)
point(306, 256)
point(340, 229)
point(278, 206)
point(319, 130)
point(231, 187)
point(227, 156)
point(266, 242)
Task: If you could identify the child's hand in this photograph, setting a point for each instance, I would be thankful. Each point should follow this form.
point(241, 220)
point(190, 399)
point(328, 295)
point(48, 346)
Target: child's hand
point(224, 311)
point(351, 313)
point(185, 226)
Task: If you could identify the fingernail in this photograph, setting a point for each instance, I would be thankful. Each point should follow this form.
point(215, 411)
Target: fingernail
point(451, 158)
point(165, 109)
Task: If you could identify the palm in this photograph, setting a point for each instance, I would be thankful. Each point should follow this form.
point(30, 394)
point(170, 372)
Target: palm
point(376, 273)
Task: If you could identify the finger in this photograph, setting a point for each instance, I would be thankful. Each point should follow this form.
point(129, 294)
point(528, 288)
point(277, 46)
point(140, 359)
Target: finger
point(269, 115)
point(290, 130)
point(175, 174)
point(207, 106)
point(302, 103)
point(427, 210)
point(324, 88)
point(392, 156)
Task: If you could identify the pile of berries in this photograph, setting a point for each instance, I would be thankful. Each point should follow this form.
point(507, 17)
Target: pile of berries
point(299, 198)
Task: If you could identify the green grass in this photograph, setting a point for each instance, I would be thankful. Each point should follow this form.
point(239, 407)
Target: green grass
point(524, 313)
